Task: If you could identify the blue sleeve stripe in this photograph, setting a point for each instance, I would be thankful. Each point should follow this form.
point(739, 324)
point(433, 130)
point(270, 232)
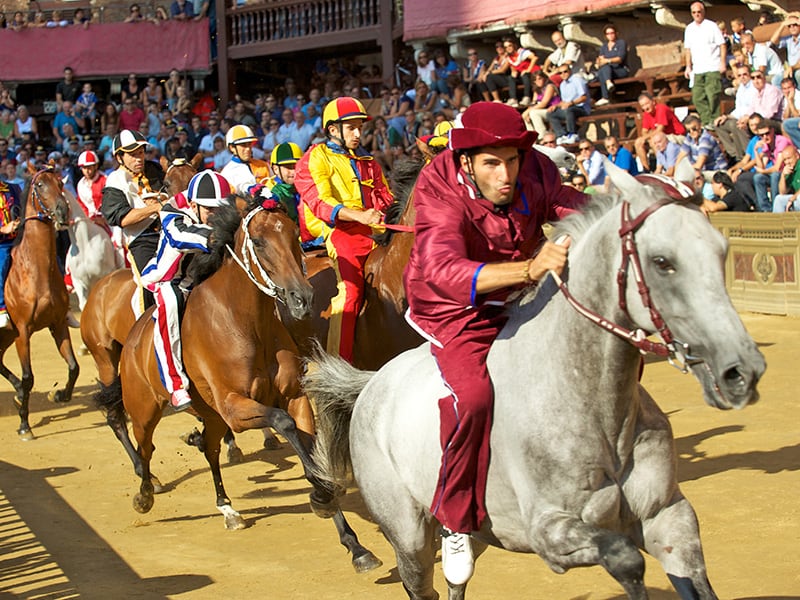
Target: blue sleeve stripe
point(474, 291)
point(335, 212)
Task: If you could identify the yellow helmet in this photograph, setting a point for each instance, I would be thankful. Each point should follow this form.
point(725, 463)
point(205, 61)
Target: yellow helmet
point(239, 134)
point(344, 109)
point(440, 136)
point(286, 153)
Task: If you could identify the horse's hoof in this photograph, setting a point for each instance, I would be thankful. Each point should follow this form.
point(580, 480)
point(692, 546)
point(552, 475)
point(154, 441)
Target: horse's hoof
point(158, 487)
point(271, 443)
point(233, 520)
point(194, 438)
point(366, 562)
point(57, 396)
point(323, 509)
point(26, 436)
point(83, 350)
point(142, 504)
point(235, 455)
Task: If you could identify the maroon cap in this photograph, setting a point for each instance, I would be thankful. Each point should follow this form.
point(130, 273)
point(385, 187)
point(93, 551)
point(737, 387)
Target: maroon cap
point(491, 124)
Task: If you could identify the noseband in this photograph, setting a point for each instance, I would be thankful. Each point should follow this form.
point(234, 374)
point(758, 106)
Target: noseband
point(249, 258)
point(43, 213)
point(677, 353)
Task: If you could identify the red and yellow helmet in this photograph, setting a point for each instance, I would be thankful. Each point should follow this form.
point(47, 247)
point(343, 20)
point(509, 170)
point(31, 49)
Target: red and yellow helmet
point(343, 109)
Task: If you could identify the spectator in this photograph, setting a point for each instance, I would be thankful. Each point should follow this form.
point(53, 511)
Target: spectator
point(131, 116)
point(578, 181)
point(471, 75)
point(313, 117)
point(732, 129)
point(65, 115)
point(152, 93)
point(5, 151)
point(743, 172)
point(566, 53)
point(206, 146)
point(6, 124)
point(521, 62)
point(287, 127)
point(791, 99)
point(666, 152)
point(700, 147)
point(160, 15)
point(728, 197)
point(656, 116)
point(545, 95)
point(131, 89)
point(80, 19)
point(447, 73)
point(790, 25)
point(610, 63)
point(56, 20)
point(183, 104)
point(738, 28)
point(705, 62)
point(768, 100)
point(171, 88)
point(105, 145)
point(222, 156)
point(69, 134)
point(241, 115)
point(496, 75)
point(620, 156)
point(271, 135)
point(763, 58)
point(25, 123)
point(181, 10)
point(19, 22)
point(86, 105)
point(6, 101)
point(575, 103)
point(38, 21)
point(110, 117)
point(426, 70)
point(788, 197)
point(135, 14)
point(302, 132)
point(382, 143)
point(426, 100)
point(10, 173)
point(590, 163)
point(769, 164)
point(67, 88)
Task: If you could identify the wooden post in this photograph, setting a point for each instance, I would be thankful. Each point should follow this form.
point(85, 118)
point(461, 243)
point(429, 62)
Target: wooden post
point(385, 42)
point(223, 75)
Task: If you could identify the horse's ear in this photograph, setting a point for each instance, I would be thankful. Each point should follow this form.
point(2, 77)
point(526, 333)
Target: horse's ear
point(32, 167)
point(241, 203)
point(162, 160)
point(197, 161)
point(623, 181)
point(684, 172)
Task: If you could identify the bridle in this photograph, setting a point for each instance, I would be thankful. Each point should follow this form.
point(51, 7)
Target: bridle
point(249, 258)
point(43, 213)
point(677, 353)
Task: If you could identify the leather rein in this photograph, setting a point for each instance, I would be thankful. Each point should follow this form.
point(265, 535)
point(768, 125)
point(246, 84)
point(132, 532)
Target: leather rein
point(43, 213)
point(677, 353)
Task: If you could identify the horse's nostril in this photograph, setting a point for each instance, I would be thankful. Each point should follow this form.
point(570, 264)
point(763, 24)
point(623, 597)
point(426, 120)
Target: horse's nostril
point(733, 378)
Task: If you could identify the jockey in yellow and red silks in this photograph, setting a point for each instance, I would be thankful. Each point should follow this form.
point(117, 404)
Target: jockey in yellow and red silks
point(344, 187)
point(9, 222)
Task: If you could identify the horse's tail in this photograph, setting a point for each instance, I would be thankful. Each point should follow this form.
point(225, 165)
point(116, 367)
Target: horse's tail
point(334, 385)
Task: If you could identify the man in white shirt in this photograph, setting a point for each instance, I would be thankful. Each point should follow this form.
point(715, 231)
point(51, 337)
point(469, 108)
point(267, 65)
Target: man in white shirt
point(732, 130)
point(705, 62)
point(206, 146)
point(763, 58)
point(566, 53)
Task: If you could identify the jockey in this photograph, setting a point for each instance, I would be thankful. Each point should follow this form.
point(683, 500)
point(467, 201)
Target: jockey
point(184, 232)
point(281, 186)
point(344, 187)
point(9, 223)
point(130, 197)
point(244, 172)
point(90, 196)
point(480, 209)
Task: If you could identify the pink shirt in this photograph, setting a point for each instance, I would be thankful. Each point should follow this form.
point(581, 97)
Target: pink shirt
point(768, 102)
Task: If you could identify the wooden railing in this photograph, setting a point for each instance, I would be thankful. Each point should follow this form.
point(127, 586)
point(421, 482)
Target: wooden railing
point(288, 19)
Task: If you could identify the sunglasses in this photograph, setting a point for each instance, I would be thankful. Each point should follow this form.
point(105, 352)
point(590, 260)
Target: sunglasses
point(765, 134)
point(472, 54)
point(581, 148)
point(758, 77)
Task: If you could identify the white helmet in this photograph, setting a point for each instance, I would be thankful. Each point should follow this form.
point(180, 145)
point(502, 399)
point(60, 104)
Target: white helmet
point(239, 134)
point(87, 159)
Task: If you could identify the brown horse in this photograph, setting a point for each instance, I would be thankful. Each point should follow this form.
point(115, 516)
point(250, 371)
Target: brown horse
point(247, 385)
point(36, 296)
point(381, 329)
point(108, 317)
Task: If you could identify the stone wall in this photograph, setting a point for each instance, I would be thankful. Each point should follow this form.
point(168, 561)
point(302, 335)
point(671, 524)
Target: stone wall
point(761, 267)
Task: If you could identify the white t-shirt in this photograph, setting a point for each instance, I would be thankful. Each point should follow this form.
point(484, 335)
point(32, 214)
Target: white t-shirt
point(704, 41)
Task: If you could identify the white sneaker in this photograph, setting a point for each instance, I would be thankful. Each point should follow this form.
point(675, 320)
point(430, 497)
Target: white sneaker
point(4, 320)
point(513, 103)
point(526, 100)
point(457, 562)
point(571, 138)
point(610, 85)
point(180, 400)
point(601, 102)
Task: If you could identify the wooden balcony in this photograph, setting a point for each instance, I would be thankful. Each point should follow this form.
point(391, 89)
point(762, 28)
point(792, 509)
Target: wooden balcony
point(284, 27)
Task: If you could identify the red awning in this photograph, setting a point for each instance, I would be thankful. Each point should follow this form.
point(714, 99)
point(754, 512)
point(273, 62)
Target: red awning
point(108, 49)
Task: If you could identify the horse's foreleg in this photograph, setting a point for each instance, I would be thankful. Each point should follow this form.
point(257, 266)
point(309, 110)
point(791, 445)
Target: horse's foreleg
point(564, 542)
point(63, 341)
point(673, 537)
point(213, 432)
point(25, 385)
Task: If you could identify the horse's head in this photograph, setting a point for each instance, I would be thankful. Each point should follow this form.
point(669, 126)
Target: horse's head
point(682, 258)
point(270, 249)
point(178, 173)
point(46, 200)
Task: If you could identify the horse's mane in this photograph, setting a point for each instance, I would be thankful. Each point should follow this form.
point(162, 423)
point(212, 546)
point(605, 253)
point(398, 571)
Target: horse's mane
point(23, 207)
point(404, 176)
point(224, 223)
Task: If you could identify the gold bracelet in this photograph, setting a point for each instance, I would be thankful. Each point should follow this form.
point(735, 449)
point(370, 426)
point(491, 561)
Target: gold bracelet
point(528, 280)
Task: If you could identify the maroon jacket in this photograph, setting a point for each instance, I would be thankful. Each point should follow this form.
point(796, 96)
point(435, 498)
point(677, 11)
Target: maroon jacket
point(457, 233)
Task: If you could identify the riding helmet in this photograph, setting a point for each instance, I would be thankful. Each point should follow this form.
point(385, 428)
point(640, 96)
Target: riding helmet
point(240, 134)
point(344, 109)
point(208, 188)
point(87, 159)
point(287, 153)
point(127, 140)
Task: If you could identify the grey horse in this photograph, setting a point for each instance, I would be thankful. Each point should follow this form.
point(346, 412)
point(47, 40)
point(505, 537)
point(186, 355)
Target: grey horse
point(583, 462)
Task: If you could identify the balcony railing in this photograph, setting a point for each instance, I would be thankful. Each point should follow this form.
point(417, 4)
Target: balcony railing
point(288, 19)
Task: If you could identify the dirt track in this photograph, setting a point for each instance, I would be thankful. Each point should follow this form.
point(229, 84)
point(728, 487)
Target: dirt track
point(68, 530)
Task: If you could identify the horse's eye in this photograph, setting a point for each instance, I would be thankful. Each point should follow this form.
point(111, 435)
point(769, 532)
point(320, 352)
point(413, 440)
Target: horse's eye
point(258, 242)
point(663, 264)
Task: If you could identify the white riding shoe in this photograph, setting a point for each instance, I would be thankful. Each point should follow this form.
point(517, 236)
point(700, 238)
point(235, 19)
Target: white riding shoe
point(180, 400)
point(4, 320)
point(457, 561)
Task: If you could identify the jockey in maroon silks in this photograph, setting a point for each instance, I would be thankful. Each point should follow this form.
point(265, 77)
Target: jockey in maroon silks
point(480, 209)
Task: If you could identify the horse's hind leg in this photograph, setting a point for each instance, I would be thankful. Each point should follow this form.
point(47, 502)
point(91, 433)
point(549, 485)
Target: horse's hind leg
point(412, 536)
point(673, 537)
point(61, 336)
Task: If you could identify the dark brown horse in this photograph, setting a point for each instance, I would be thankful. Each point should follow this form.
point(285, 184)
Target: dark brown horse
point(249, 384)
point(108, 317)
point(36, 296)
